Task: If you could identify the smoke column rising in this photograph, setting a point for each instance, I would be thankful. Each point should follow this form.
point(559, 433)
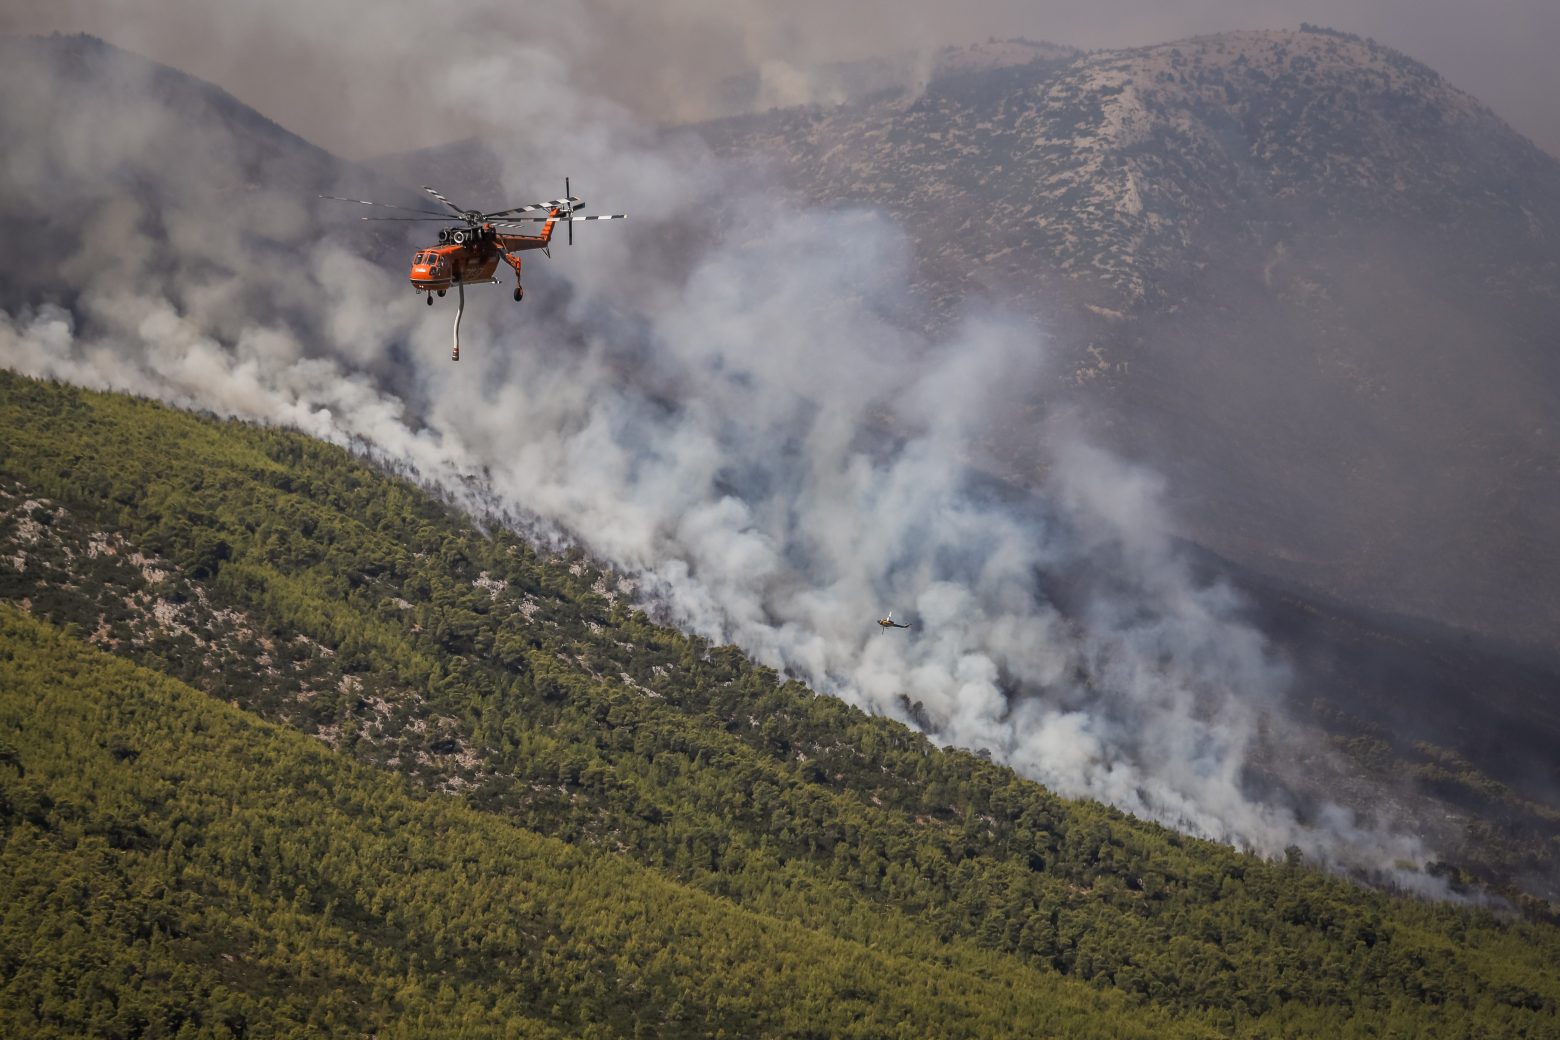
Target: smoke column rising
point(788, 460)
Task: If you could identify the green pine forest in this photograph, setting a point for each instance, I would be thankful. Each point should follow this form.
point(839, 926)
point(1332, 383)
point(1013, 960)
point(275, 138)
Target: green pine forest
point(291, 747)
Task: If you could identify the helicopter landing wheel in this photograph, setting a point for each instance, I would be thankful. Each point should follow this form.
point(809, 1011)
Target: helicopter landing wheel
point(430, 300)
point(519, 294)
point(441, 292)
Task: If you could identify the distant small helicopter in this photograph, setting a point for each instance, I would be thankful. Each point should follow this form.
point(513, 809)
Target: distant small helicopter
point(468, 253)
point(889, 622)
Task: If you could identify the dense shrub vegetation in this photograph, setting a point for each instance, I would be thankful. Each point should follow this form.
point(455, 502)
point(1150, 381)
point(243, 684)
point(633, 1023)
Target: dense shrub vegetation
point(174, 867)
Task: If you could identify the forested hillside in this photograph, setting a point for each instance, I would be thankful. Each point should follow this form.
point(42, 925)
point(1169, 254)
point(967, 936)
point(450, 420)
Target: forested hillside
point(292, 580)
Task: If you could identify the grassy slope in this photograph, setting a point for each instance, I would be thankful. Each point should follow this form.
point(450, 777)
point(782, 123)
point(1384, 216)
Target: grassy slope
point(576, 717)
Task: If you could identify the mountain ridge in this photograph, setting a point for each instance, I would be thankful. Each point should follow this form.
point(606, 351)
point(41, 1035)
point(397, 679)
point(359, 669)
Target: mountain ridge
point(1296, 272)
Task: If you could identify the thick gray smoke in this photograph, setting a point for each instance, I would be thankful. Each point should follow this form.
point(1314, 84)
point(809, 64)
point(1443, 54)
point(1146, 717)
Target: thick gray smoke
point(745, 420)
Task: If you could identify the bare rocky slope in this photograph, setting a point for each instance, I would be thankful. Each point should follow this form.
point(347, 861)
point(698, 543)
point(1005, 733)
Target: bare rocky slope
point(1298, 272)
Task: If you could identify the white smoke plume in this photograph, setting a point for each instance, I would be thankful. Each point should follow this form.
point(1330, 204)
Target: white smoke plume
point(746, 420)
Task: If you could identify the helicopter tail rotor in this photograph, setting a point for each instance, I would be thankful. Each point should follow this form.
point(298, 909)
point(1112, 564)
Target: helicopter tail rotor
point(568, 196)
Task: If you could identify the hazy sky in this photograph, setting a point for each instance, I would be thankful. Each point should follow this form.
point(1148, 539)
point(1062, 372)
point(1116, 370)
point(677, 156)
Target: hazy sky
point(346, 74)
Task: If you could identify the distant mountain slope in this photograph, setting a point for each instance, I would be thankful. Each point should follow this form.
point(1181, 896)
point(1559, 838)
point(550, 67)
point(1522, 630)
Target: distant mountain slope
point(839, 82)
point(1298, 272)
point(283, 575)
point(1111, 168)
point(150, 171)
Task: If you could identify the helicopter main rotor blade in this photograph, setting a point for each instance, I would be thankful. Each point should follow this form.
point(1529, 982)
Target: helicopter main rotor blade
point(569, 220)
point(463, 214)
point(386, 205)
point(572, 203)
point(439, 217)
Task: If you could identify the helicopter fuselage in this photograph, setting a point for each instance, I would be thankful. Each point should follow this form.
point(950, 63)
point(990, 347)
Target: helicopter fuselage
point(470, 256)
point(444, 267)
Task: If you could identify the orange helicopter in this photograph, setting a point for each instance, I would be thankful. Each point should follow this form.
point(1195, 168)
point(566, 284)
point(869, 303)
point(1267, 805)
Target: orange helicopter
point(468, 253)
